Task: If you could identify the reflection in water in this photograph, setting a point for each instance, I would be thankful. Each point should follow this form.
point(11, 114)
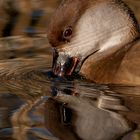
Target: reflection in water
point(35, 105)
point(77, 110)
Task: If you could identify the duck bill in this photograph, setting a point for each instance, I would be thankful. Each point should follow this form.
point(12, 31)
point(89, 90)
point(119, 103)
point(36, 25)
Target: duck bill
point(63, 65)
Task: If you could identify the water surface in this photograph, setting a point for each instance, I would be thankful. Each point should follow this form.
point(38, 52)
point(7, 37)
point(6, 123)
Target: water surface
point(34, 105)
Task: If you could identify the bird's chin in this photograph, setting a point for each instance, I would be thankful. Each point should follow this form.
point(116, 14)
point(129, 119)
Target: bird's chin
point(64, 65)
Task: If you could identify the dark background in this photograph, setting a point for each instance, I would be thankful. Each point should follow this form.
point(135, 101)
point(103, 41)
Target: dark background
point(26, 17)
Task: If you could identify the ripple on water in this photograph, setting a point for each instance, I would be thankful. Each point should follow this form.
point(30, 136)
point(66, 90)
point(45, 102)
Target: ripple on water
point(36, 105)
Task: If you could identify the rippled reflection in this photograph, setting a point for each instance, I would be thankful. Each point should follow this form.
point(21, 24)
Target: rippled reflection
point(35, 105)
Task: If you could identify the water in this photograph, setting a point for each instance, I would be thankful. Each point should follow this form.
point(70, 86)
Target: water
point(34, 105)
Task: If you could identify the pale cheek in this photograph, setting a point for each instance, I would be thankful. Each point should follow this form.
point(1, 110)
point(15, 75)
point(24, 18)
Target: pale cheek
point(96, 31)
point(82, 44)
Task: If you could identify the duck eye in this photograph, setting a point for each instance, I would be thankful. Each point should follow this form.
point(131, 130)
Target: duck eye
point(67, 33)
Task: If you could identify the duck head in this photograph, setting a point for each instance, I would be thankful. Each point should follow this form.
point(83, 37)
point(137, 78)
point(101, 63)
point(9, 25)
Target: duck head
point(95, 29)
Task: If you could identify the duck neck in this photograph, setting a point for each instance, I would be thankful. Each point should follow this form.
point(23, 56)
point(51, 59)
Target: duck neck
point(105, 69)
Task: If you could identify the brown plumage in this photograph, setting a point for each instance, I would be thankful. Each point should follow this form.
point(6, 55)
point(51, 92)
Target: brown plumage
point(104, 39)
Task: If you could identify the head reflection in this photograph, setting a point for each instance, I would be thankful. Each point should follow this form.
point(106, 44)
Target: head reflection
point(72, 115)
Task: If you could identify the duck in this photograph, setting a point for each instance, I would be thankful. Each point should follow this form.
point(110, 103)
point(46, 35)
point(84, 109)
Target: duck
point(99, 39)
